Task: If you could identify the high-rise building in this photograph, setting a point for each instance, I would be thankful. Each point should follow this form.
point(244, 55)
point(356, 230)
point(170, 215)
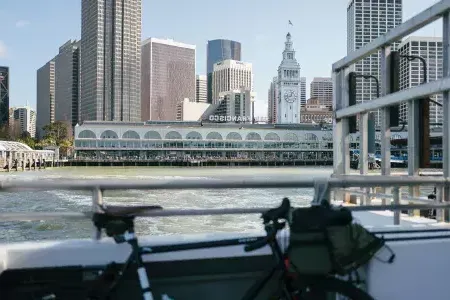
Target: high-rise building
point(4, 95)
point(366, 21)
point(25, 119)
point(217, 51)
point(229, 75)
point(201, 89)
point(168, 77)
point(272, 101)
point(236, 106)
point(67, 74)
point(289, 85)
point(45, 100)
point(411, 72)
point(302, 91)
point(110, 60)
point(321, 88)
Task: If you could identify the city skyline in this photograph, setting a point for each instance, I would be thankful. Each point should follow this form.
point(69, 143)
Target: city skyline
point(24, 22)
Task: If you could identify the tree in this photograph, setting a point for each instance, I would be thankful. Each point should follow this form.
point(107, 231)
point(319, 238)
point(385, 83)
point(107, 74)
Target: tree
point(58, 134)
point(57, 131)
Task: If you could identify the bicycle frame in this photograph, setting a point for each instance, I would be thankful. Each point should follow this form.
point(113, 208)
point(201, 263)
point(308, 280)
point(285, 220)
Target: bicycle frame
point(138, 251)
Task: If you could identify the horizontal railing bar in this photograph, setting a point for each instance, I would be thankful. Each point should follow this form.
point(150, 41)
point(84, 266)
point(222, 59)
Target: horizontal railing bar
point(422, 19)
point(390, 196)
point(37, 216)
point(420, 91)
point(334, 182)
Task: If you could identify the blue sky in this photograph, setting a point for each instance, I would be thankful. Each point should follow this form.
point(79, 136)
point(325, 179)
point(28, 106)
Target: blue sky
point(32, 32)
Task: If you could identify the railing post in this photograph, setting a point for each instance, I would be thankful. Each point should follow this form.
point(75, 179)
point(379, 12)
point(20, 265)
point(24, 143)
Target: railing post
point(396, 201)
point(364, 153)
point(97, 200)
point(446, 107)
point(341, 155)
point(440, 213)
point(385, 122)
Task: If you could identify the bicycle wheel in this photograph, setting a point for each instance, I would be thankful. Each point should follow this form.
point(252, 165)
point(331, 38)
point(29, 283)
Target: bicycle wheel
point(325, 288)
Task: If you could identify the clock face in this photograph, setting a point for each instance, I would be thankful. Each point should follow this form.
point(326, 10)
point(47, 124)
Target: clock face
point(290, 96)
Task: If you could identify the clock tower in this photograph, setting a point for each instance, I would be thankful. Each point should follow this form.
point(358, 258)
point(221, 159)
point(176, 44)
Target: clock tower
point(288, 106)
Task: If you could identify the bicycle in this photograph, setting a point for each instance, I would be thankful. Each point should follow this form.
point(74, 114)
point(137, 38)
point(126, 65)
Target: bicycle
point(118, 222)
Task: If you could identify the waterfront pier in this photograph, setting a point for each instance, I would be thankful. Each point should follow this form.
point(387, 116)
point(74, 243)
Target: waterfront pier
point(20, 157)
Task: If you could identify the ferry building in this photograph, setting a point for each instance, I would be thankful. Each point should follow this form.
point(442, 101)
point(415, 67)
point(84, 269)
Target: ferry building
point(155, 140)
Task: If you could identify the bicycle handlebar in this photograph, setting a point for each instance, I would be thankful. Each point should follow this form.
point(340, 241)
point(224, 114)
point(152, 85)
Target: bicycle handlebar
point(280, 212)
point(272, 215)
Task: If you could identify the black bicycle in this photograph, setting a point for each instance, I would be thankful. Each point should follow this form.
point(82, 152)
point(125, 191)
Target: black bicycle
point(118, 222)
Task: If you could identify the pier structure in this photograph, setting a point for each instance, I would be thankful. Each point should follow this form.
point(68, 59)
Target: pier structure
point(198, 141)
point(18, 156)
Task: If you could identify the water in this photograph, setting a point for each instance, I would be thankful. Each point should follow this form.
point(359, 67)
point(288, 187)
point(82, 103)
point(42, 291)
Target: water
point(61, 200)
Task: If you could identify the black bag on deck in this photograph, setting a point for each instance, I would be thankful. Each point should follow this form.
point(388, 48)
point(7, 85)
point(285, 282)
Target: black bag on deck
point(324, 240)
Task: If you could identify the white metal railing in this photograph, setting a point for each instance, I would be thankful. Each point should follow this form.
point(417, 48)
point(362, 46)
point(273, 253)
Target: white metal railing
point(412, 96)
point(99, 186)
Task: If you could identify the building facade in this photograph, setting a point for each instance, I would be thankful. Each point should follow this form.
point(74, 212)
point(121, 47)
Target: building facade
point(289, 86)
point(110, 60)
point(23, 119)
point(321, 88)
point(315, 112)
point(45, 101)
point(217, 51)
point(411, 72)
point(165, 140)
point(201, 89)
point(168, 77)
point(272, 101)
point(230, 75)
point(4, 95)
point(302, 91)
point(190, 110)
point(67, 75)
point(366, 21)
point(235, 106)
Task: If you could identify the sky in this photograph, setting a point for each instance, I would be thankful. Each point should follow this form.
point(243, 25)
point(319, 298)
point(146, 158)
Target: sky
point(32, 32)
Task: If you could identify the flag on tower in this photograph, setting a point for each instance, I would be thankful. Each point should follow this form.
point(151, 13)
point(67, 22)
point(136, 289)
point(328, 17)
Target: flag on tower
point(290, 23)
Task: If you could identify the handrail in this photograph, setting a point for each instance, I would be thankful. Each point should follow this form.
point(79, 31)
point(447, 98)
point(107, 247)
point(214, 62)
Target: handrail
point(418, 92)
point(37, 216)
point(224, 183)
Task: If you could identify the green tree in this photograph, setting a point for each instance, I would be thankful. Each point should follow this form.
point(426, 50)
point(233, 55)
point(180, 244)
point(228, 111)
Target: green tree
point(26, 139)
point(58, 134)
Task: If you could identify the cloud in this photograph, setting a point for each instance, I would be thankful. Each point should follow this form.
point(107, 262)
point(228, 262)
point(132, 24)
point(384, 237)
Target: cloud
point(22, 23)
point(3, 51)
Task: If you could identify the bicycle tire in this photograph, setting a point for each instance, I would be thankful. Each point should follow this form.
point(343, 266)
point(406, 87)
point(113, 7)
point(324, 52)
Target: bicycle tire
point(330, 285)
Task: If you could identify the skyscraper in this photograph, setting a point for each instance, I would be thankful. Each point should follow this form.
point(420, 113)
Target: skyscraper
point(4, 95)
point(216, 51)
point(302, 91)
point(45, 100)
point(25, 119)
point(230, 75)
point(67, 74)
point(322, 89)
point(366, 21)
point(272, 101)
point(168, 77)
point(411, 72)
point(110, 60)
point(200, 89)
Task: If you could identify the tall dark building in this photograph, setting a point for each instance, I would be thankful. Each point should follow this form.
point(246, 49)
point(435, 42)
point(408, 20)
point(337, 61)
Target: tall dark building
point(219, 50)
point(4, 95)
